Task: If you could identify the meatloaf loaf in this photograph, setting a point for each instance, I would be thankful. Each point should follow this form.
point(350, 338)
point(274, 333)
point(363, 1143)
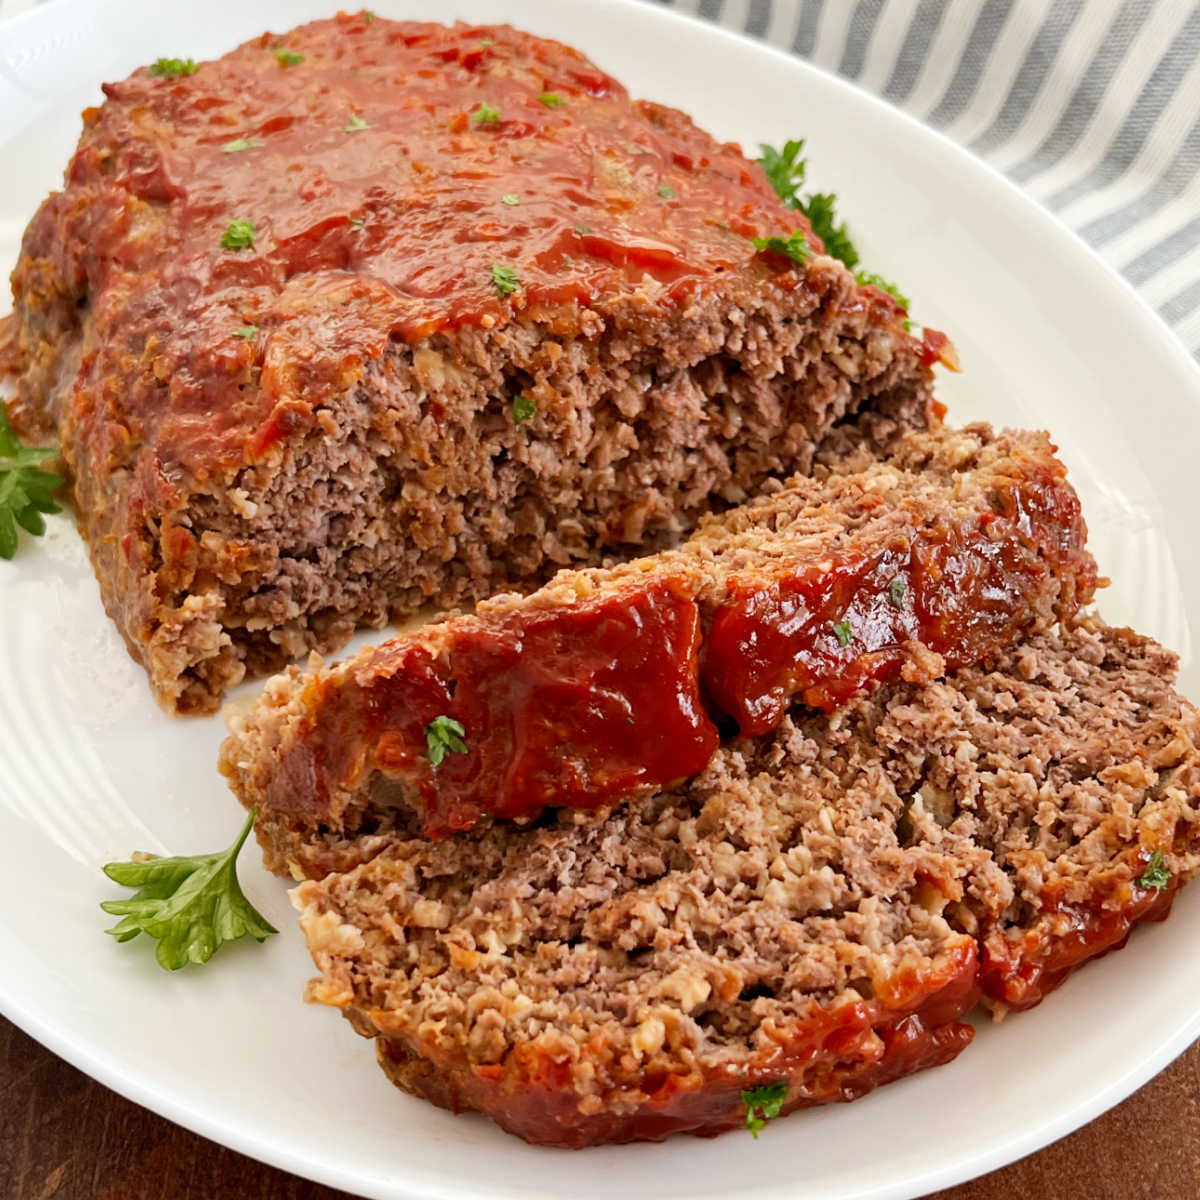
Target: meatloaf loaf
point(374, 314)
point(608, 683)
point(812, 915)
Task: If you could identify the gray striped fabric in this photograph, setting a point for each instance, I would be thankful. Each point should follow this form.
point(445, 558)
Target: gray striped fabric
point(1093, 106)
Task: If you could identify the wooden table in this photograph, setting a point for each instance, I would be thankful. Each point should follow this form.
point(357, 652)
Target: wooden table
point(65, 1137)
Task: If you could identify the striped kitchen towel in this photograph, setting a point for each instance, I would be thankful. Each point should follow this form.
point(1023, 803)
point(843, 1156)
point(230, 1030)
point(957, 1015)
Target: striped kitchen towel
point(1093, 106)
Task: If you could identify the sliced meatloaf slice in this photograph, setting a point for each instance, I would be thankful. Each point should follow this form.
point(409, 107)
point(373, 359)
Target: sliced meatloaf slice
point(609, 683)
point(376, 314)
point(813, 914)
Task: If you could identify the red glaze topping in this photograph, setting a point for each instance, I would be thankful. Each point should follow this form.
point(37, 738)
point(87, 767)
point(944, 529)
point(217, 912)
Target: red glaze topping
point(577, 707)
point(833, 629)
point(1021, 971)
point(827, 1054)
point(385, 175)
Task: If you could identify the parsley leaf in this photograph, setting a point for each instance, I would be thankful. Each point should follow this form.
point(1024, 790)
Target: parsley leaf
point(485, 114)
point(505, 279)
point(189, 905)
point(289, 58)
point(239, 235)
point(819, 209)
point(897, 588)
point(666, 191)
point(368, 16)
point(246, 333)
point(1157, 874)
point(784, 170)
point(355, 125)
point(794, 246)
point(582, 229)
point(863, 278)
point(551, 100)
point(173, 66)
point(511, 198)
point(358, 222)
point(444, 735)
point(240, 144)
point(841, 630)
point(523, 407)
point(763, 1103)
point(25, 492)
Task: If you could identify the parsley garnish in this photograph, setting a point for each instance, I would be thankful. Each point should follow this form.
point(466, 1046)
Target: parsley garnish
point(189, 905)
point(505, 279)
point(239, 235)
point(25, 492)
point(355, 125)
point(484, 43)
point(444, 735)
point(357, 222)
point(485, 114)
point(794, 246)
point(510, 198)
point(763, 1103)
point(247, 333)
point(240, 144)
point(582, 229)
point(289, 58)
point(1157, 874)
point(551, 100)
point(368, 15)
point(841, 630)
point(819, 209)
point(173, 66)
point(523, 407)
point(666, 191)
point(863, 278)
point(784, 170)
point(897, 588)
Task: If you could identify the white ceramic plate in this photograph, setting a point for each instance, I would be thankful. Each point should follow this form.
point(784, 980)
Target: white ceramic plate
point(91, 770)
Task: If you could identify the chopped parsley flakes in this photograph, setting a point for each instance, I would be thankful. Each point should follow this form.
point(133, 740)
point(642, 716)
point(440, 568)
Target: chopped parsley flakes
point(510, 198)
point(1157, 874)
point(485, 114)
point(841, 630)
point(551, 100)
point(444, 735)
point(240, 144)
point(666, 191)
point(763, 1103)
point(523, 407)
point(505, 279)
point(289, 58)
point(355, 124)
point(357, 222)
point(897, 588)
point(170, 67)
point(247, 332)
point(239, 235)
point(795, 246)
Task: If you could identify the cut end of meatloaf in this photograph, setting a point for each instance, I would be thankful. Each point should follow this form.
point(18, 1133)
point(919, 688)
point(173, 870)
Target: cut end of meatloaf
point(395, 386)
point(816, 911)
point(610, 683)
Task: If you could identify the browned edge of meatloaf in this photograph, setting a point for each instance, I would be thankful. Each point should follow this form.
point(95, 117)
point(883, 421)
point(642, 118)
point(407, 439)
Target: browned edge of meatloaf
point(415, 485)
point(604, 978)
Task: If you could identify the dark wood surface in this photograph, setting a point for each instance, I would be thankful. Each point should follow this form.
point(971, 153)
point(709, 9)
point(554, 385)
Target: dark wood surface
point(65, 1137)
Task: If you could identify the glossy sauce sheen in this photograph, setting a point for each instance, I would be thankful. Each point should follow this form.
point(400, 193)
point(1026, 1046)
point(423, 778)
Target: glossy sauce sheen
point(378, 199)
point(825, 1055)
point(587, 704)
point(568, 707)
point(828, 633)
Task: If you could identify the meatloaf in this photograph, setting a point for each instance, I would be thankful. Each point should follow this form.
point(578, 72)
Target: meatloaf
point(813, 914)
point(372, 314)
point(608, 683)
